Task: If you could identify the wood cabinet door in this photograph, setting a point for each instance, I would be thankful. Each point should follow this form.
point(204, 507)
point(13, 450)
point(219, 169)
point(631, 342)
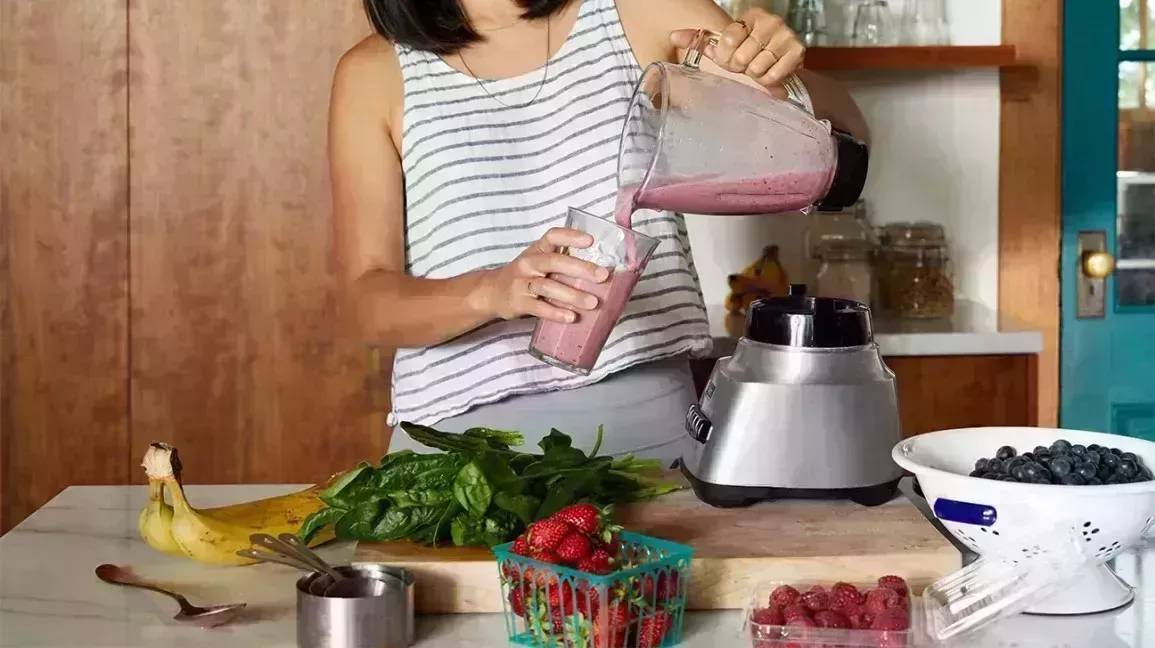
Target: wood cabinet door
point(237, 355)
point(63, 249)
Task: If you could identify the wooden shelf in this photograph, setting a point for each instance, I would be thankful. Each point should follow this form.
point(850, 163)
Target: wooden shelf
point(910, 58)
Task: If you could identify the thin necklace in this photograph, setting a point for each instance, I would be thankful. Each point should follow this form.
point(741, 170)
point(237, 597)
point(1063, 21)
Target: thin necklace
point(544, 74)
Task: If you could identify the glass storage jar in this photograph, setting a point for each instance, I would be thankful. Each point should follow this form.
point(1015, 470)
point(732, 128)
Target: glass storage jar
point(827, 227)
point(914, 271)
point(846, 271)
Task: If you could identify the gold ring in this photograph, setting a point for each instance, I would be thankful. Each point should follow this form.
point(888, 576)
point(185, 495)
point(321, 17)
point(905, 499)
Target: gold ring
point(760, 45)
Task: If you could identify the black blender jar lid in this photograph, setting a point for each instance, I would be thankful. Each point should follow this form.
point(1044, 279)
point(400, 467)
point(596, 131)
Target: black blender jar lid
point(811, 322)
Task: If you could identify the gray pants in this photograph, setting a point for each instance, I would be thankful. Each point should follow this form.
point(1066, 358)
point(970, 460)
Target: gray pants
point(643, 410)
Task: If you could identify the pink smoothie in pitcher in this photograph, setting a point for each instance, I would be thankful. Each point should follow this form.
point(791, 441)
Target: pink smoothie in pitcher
point(776, 194)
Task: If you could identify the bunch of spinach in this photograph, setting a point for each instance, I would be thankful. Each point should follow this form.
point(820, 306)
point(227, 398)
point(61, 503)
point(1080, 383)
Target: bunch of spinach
point(477, 491)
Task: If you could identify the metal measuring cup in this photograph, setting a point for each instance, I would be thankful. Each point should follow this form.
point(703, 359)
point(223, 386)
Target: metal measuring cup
point(382, 619)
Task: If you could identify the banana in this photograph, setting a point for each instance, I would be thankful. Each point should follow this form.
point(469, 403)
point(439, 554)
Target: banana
point(155, 521)
point(215, 535)
point(763, 278)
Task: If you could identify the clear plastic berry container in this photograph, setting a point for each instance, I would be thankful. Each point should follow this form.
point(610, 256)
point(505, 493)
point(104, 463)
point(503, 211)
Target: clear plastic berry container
point(836, 618)
point(642, 604)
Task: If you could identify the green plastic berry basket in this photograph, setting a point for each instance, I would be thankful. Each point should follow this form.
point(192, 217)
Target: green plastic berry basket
point(642, 605)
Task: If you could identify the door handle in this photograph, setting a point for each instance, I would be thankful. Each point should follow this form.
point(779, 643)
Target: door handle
point(1095, 265)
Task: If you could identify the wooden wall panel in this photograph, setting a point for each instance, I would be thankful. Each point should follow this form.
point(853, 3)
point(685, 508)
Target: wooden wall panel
point(63, 253)
point(1030, 205)
point(237, 354)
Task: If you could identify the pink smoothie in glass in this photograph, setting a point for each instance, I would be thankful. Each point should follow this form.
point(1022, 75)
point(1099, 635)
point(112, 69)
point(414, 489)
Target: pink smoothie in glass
point(578, 345)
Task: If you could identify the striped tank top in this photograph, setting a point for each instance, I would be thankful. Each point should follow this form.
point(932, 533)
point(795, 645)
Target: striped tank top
point(484, 180)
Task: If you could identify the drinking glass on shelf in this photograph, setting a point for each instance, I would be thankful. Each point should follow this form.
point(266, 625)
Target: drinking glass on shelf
point(872, 24)
point(808, 20)
point(924, 22)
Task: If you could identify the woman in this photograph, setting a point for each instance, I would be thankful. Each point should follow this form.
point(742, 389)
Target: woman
point(460, 134)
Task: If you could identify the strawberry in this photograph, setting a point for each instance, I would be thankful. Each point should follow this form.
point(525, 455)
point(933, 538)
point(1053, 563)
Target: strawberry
point(657, 590)
point(574, 548)
point(653, 630)
point(517, 601)
point(895, 619)
point(831, 619)
point(520, 546)
point(816, 600)
point(611, 629)
point(598, 562)
point(895, 583)
point(784, 596)
point(546, 535)
point(546, 556)
point(881, 599)
point(768, 616)
point(561, 597)
point(586, 518)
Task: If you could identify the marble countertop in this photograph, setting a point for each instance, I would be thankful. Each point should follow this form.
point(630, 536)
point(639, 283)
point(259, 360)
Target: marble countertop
point(49, 596)
point(973, 330)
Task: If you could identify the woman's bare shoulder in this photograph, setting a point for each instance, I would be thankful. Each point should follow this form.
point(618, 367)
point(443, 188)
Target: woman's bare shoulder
point(369, 74)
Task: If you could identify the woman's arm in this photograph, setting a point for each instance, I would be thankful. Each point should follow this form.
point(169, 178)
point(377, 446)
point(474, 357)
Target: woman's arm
point(384, 304)
point(671, 24)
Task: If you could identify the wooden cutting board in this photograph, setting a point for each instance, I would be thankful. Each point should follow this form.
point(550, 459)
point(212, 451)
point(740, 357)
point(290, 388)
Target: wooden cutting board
point(734, 550)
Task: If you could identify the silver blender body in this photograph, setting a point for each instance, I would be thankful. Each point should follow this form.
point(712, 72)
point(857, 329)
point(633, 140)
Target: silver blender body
point(804, 408)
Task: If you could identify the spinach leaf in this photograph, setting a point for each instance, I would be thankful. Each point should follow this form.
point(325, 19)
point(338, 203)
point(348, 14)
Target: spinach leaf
point(523, 506)
point(500, 527)
point(409, 499)
point(359, 523)
point(467, 530)
point(318, 520)
point(564, 493)
point(348, 490)
point(555, 441)
point(499, 473)
point(472, 490)
point(398, 523)
point(496, 438)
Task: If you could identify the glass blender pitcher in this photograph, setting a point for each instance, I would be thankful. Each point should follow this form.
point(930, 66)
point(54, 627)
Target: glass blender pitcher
point(700, 143)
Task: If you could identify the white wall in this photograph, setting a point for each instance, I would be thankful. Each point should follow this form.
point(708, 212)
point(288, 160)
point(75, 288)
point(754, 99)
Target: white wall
point(934, 157)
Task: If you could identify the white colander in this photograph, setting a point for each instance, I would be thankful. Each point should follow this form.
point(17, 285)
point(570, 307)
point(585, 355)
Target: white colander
point(996, 517)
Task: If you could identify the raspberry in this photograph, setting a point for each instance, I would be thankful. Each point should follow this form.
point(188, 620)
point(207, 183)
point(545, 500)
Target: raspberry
point(882, 599)
point(816, 600)
point(895, 583)
point(892, 619)
point(768, 616)
point(860, 619)
point(784, 596)
point(795, 612)
point(831, 619)
point(845, 598)
point(801, 622)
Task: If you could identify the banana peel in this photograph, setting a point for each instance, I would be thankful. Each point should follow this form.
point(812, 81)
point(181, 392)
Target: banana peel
point(762, 279)
point(214, 536)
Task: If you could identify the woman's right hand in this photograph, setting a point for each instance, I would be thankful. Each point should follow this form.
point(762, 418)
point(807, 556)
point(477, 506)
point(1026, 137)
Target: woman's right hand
point(523, 287)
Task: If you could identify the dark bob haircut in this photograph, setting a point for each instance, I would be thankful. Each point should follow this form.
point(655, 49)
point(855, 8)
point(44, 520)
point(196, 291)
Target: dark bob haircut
point(439, 26)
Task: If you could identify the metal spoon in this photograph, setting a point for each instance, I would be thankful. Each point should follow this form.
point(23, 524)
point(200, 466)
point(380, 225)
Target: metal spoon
point(280, 559)
point(290, 547)
point(206, 617)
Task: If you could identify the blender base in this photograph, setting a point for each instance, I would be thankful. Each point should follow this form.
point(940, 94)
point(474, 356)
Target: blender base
point(727, 496)
point(1098, 590)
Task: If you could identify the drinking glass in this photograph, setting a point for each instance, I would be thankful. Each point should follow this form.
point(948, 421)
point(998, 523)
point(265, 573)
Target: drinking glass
point(808, 20)
point(924, 22)
point(872, 24)
point(624, 252)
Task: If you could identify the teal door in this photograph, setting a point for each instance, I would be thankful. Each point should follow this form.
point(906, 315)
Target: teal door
point(1108, 256)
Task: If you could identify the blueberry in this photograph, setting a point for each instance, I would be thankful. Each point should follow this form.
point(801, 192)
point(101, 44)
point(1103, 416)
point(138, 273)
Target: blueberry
point(1019, 472)
point(1044, 457)
point(1138, 479)
point(1127, 469)
point(1029, 456)
point(1005, 452)
point(1094, 481)
point(1091, 457)
point(1111, 460)
point(1061, 445)
point(1061, 467)
point(1114, 479)
point(1104, 471)
point(1116, 451)
point(1007, 478)
point(1130, 456)
point(990, 475)
point(981, 464)
point(1094, 446)
point(995, 466)
point(1044, 473)
point(1078, 450)
point(1086, 470)
point(1073, 480)
point(1039, 449)
point(1145, 472)
point(1033, 471)
point(976, 473)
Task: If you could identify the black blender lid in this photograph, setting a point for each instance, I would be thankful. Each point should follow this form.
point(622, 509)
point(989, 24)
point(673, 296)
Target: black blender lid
point(849, 175)
point(811, 322)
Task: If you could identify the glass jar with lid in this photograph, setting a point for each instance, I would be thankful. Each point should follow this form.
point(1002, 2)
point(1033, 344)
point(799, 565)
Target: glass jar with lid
point(846, 271)
point(914, 271)
point(827, 227)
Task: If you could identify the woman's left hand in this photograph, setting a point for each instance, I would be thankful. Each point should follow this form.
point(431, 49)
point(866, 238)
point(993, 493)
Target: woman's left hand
point(758, 44)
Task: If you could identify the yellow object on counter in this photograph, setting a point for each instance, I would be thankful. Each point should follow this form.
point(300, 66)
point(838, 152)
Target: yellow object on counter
point(764, 278)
